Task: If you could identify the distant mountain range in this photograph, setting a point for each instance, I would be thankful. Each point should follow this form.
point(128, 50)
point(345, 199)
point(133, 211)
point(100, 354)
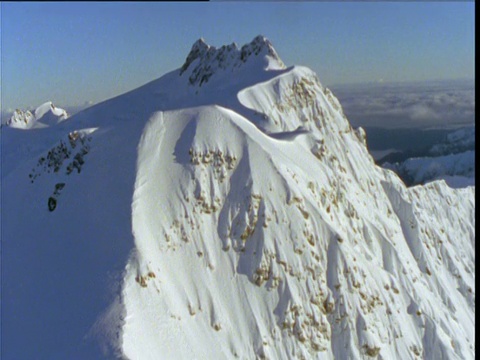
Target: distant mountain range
point(447, 155)
point(45, 115)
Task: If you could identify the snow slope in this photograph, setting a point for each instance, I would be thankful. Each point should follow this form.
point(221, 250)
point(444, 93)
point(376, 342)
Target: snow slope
point(227, 210)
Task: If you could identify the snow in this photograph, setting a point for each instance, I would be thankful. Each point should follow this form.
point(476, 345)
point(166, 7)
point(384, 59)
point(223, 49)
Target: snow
point(21, 119)
point(45, 115)
point(238, 217)
point(452, 160)
point(425, 169)
point(208, 61)
point(49, 114)
point(457, 181)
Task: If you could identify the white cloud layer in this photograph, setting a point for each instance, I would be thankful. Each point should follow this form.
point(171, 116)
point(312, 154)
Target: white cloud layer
point(441, 104)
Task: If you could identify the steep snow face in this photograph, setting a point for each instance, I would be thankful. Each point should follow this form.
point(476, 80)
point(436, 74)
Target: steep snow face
point(272, 234)
point(292, 100)
point(46, 114)
point(66, 234)
point(240, 217)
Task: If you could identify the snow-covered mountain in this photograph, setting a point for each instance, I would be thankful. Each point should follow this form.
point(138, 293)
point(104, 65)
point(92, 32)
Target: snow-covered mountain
point(457, 141)
point(227, 210)
point(452, 160)
point(45, 115)
point(458, 170)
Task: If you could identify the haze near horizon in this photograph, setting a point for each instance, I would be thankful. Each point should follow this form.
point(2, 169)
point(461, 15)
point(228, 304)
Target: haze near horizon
point(83, 53)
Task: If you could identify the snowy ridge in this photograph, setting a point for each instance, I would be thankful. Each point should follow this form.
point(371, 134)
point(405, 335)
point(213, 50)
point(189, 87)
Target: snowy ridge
point(305, 260)
point(298, 99)
point(49, 114)
point(46, 114)
point(261, 229)
point(204, 60)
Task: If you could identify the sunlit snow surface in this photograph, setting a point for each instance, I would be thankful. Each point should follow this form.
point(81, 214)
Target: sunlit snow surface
point(238, 217)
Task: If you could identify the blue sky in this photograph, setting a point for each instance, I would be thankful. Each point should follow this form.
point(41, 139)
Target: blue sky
point(72, 53)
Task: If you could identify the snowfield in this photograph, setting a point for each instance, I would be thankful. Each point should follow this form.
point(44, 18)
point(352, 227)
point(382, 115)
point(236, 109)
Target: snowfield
point(227, 210)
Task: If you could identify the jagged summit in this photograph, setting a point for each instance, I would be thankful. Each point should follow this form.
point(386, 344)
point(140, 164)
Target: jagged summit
point(205, 60)
point(20, 119)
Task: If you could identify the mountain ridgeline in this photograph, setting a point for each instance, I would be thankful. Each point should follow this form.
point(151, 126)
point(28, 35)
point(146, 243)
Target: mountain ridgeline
point(228, 210)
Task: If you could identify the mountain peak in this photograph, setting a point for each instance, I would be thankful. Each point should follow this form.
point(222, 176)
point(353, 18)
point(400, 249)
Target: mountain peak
point(200, 43)
point(205, 60)
point(261, 41)
point(246, 222)
point(46, 114)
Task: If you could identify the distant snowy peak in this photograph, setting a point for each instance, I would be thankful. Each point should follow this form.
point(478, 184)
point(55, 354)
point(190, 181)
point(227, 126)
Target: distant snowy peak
point(452, 160)
point(21, 119)
point(422, 170)
point(456, 142)
point(49, 114)
point(46, 114)
point(205, 60)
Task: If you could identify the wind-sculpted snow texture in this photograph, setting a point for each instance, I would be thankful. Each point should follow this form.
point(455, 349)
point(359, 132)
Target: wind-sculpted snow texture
point(258, 227)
